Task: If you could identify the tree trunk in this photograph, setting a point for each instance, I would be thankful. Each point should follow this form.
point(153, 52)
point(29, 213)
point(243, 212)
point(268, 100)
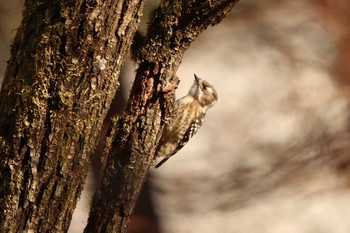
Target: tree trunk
point(134, 136)
point(60, 80)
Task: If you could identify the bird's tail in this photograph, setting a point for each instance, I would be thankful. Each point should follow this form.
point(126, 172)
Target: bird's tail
point(161, 162)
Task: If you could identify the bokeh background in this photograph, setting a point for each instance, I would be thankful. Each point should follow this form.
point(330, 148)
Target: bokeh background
point(273, 153)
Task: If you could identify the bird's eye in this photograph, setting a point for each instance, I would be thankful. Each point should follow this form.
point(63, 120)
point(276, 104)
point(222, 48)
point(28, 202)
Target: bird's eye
point(205, 87)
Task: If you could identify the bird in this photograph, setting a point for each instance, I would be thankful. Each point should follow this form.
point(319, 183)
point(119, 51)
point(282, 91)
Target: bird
point(188, 116)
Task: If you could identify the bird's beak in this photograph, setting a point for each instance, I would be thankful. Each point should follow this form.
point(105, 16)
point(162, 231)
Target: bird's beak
point(196, 78)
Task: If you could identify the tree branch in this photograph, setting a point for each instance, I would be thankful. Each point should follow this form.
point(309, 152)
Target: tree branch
point(134, 135)
point(61, 78)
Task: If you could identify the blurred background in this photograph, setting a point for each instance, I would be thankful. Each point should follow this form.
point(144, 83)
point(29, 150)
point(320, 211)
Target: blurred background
point(273, 153)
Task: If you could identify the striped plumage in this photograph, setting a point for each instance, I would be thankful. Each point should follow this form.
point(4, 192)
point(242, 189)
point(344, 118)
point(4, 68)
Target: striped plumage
point(189, 113)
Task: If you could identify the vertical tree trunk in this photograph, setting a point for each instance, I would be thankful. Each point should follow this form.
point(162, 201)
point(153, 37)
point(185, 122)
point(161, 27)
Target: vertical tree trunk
point(135, 134)
point(61, 78)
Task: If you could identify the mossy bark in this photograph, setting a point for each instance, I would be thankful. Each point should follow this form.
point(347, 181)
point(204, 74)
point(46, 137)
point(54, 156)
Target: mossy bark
point(134, 136)
point(60, 80)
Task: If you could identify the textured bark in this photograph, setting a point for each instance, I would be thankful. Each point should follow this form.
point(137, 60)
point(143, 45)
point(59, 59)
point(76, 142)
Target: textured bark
point(61, 78)
point(135, 134)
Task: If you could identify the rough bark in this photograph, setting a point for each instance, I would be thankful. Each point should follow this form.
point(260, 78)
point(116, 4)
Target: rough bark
point(135, 134)
point(61, 78)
